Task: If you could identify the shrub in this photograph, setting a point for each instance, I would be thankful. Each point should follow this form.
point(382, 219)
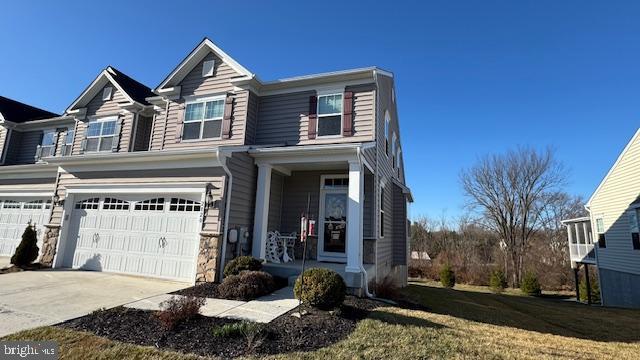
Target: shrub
point(497, 281)
point(178, 309)
point(387, 289)
point(27, 251)
point(246, 286)
point(447, 276)
point(235, 329)
point(530, 284)
point(595, 290)
point(242, 263)
point(323, 288)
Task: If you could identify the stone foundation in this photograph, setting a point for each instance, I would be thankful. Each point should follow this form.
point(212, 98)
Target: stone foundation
point(49, 243)
point(208, 257)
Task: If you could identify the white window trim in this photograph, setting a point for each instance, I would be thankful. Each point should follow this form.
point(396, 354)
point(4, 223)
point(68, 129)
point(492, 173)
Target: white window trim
point(213, 65)
point(596, 218)
point(204, 100)
point(107, 96)
point(319, 94)
point(101, 120)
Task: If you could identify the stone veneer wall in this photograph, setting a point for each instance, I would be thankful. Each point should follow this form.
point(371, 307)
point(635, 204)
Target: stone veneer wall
point(49, 242)
point(208, 257)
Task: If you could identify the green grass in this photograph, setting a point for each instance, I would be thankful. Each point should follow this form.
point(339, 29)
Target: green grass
point(461, 323)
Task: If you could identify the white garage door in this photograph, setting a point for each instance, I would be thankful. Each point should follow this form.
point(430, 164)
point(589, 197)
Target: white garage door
point(15, 214)
point(157, 236)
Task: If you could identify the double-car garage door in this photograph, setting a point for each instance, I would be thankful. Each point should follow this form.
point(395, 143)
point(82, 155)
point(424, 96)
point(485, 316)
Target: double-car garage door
point(15, 214)
point(150, 235)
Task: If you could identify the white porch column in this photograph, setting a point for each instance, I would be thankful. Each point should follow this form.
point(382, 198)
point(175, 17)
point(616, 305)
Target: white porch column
point(263, 191)
point(354, 217)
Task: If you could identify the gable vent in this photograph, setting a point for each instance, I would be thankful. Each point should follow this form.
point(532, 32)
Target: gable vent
point(106, 93)
point(207, 68)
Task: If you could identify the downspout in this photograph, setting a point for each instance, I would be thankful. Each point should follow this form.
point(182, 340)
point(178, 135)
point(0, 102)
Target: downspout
point(361, 247)
point(227, 205)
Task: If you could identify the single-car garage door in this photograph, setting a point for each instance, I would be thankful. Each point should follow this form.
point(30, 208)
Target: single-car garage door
point(154, 236)
point(15, 214)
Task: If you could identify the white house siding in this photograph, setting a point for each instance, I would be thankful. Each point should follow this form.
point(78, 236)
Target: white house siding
point(22, 147)
point(284, 118)
point(612, 201)
point(165, 129)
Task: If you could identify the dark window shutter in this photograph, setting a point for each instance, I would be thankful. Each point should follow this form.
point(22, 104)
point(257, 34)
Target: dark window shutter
point(313, 116)
point(181, 110)
point(226, 120)
point(347, 114)
point(83, 143)
point(116, 137)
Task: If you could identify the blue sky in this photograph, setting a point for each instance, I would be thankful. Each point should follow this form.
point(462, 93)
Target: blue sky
point(473, 77)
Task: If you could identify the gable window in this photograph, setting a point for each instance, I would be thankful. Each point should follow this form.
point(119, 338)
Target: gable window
point(47, 145)
point(107, 93)
point(602, 242)
point(387, 121)
point(382, 211)
point(207, 68)
point(100, 134)
point(329, 115)
point(203, 119)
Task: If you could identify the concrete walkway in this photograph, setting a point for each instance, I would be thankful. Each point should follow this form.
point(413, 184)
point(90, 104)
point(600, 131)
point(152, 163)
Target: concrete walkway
point(262, 310)
point(5, 261)
point(36, 298)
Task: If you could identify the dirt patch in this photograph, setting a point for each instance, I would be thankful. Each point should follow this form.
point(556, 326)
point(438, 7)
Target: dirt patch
point(15, 269)
point(316, 329)
point(210, 290)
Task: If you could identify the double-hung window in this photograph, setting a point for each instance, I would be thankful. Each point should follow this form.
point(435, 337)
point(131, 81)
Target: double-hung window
point(47, 145)
point(203, 119)
point(68, 142)
point(329, 115)
point(602, 242)
point(100, 134)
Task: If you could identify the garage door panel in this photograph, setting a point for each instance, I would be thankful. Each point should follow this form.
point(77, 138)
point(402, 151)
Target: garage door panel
point(14, 217)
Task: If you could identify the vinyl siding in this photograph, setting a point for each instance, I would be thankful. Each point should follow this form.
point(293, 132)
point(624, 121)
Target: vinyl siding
point(166, 127)
point(284, 118)
point(22, 147)
point(392, 239)
point(275, 202)
point(612, 201)
point(99, 108)
point(400, 252)
point(369, 206)
point(215, 176)
point(243, 192)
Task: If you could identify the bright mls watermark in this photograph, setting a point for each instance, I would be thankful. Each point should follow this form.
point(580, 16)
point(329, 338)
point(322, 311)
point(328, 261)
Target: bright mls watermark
point(32, 350)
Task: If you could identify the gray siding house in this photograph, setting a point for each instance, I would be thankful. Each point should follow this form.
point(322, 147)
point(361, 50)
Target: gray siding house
point(609, 237)
point(174, 182)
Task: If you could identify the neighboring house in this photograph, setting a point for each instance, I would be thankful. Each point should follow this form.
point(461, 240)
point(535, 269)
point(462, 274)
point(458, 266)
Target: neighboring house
point(614, 213)
point(174, 182)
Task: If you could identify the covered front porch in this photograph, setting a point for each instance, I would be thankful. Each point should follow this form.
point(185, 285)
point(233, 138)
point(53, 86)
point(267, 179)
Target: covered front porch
point(331, 185)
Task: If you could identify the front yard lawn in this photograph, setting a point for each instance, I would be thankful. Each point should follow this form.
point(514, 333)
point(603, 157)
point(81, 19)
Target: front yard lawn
point(467, 322)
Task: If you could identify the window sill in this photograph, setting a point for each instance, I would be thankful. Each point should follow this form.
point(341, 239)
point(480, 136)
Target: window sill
point(199, 140)
point(328, 137)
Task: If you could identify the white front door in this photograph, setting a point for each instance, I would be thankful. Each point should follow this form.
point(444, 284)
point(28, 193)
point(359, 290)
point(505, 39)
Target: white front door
point(332, 227)
point(157, 236)
point(15, 214)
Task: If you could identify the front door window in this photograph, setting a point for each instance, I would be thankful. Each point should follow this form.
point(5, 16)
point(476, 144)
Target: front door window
point(335, 222)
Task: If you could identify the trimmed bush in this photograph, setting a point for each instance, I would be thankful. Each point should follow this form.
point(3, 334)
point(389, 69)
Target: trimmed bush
point(178, 309)
point(497, 281)
point(27, 251)
point(242, 263)
point(530, 284)
point(323, 288)
point(246, 286)
point(447, 276)
point(236, 329)
point(595, 290)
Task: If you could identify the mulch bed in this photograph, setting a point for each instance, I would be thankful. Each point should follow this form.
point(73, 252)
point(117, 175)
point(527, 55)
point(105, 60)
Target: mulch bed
point(15, 269)
point(316, 329)
point(210, 290)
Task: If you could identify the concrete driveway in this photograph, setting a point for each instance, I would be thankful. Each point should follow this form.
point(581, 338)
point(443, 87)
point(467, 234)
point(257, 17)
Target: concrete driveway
point(36, 298)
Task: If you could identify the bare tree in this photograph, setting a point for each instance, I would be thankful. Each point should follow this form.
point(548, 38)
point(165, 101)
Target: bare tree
point(506, 190)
